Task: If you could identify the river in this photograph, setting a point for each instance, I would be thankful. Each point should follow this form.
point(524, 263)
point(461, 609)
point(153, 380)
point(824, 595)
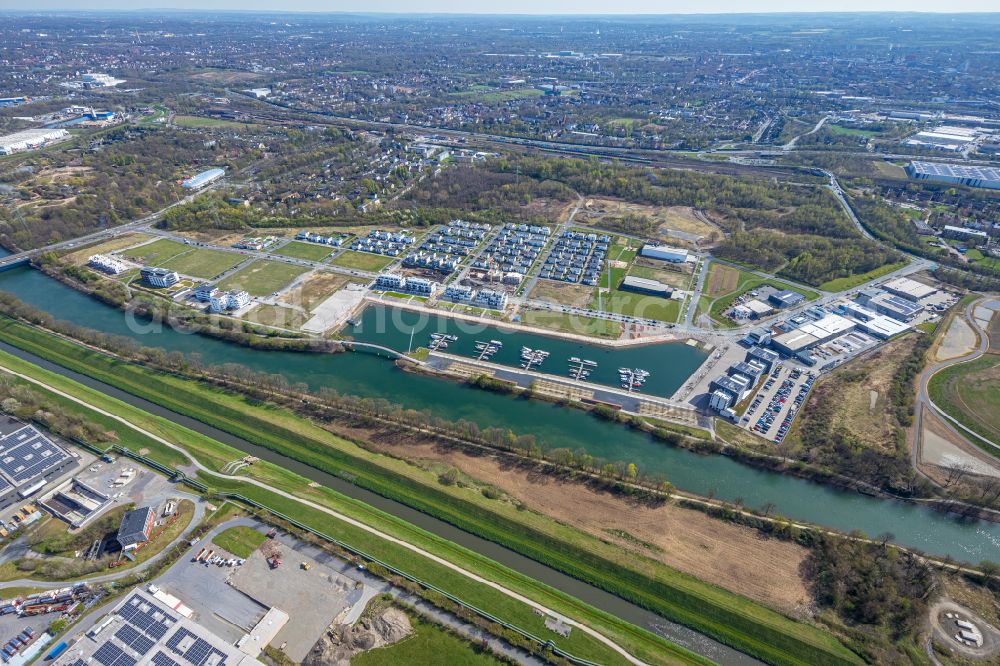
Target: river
point(368, 375)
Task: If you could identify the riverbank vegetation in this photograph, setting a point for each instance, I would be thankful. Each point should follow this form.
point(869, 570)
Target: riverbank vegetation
point(726, 617)
point(213, 454)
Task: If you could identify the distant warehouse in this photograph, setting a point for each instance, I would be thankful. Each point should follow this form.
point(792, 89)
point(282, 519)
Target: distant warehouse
point(29, 140)
point(202, 179)
point(959, 174)
point(814, 333)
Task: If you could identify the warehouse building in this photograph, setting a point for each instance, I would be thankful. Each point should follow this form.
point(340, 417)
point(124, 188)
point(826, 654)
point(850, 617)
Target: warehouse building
point(909, 289)
point(31, 139)
point(958, 174)
point(202, 179)
point(646, 286)
point(811, 334)
point(159, 277)
point(665, 252)
point(786, 298)
point(147, 628)
point(28, 461)
point(890, 305)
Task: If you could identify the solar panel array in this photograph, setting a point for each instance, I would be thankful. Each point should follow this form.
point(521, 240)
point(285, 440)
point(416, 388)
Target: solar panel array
point(197, 652)
point(129, 637)
point(160, 659)
point(26, 454)
point(110, 654)
point(148, 619)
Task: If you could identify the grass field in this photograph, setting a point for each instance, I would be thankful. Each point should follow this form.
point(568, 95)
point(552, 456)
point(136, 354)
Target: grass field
point(263, 277)
point(212, 453)
point(568, 323)
point(362, 261)
point(562, 293)
point(725, 283)
point(851, 131)
point(492, 96)
point(240, 541)
point(968, 392)
point(673, 278)
point(683, 598)
point(113, 245)
point(199, 122)
point(428, 645)
point(187, 260)
point(845, 283)
point(307, 251)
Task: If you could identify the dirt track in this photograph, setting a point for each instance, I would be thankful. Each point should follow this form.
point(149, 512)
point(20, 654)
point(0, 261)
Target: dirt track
point(734, 557)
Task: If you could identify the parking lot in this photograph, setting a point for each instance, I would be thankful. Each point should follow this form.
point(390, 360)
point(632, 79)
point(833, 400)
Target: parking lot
point(774, 406)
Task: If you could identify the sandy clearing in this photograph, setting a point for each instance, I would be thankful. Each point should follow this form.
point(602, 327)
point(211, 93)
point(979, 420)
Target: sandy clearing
point(736, 558)
point(959, 340)
point(939, 447)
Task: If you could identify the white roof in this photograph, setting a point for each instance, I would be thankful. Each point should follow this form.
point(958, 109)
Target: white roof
point(912, 287)
point(759, 307)
point(829, 325)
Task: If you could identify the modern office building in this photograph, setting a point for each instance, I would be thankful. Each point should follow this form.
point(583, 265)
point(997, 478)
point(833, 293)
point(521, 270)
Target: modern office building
point(202, 179)
point(768, 357)
point(665, 252)
point(30, 139)
point(957, 174)
point(159, 277)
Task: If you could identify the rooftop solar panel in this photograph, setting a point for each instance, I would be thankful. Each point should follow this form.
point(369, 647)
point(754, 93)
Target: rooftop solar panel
point(160, 659)
point(196, 651)
point(26, 454)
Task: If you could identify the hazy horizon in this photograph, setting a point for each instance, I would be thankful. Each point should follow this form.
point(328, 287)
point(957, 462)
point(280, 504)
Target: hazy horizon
point(508, 8)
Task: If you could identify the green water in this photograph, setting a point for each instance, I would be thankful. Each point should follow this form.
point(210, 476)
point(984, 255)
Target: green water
point(669, 364)
point(367, 375)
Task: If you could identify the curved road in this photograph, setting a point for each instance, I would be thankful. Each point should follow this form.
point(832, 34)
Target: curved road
point(345, 519)
point(923, 398)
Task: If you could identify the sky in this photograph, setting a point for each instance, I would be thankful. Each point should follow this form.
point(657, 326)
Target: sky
point(515, 6)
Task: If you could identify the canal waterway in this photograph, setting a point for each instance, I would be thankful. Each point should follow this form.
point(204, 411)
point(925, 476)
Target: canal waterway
point(368, 375)
point(669, 363)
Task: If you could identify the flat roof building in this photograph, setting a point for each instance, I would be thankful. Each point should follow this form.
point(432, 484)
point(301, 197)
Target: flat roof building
point(665, 252)
point(144, 630)
point(646, 286)
point(959, 174)
point(28, 461)
point(909, 289)
point(964, 233)
point(766, 356)
point(813, 333)
point(737, 385)
point(890, 305)
point(159, 277)
point(786, 298)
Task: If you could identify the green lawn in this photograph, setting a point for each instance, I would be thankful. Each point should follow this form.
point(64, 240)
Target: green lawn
point(851, 131)
point(968, 392)
point(197, 262)
point(642, 306)
point(747, 282)
point(200, 121)
point(851, 281)
point(568, 323)
point(240, 541)
point(719, 613)
point(428, 645)
point(263, 277)
point(362, 261)
point(308, 251)
point(493, 96)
